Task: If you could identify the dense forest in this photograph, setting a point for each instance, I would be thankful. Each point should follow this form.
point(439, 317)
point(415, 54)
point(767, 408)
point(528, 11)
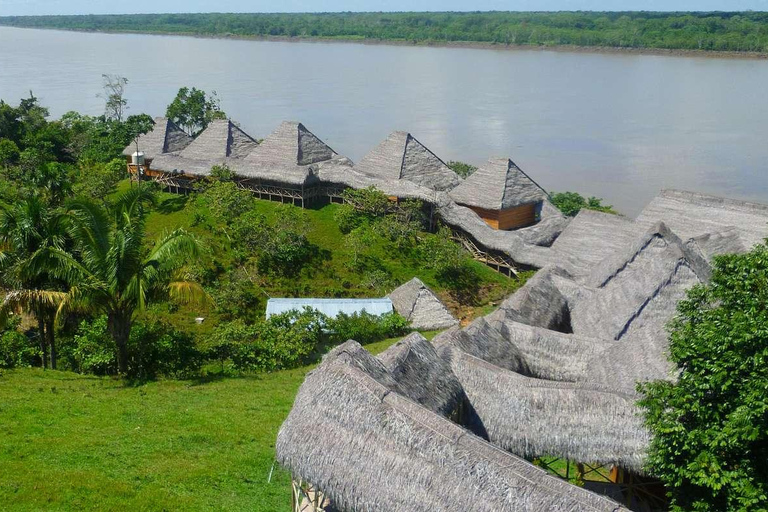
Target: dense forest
point(714, 31)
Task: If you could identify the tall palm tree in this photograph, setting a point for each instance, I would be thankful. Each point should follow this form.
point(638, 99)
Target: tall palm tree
point(113, 270)
point(29, 230)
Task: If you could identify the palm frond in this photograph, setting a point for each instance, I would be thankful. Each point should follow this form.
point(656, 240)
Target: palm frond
point(188, 292)
point(31, 301)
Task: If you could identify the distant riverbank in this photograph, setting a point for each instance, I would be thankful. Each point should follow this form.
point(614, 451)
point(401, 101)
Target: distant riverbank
point(439, 44)
point(718, 34)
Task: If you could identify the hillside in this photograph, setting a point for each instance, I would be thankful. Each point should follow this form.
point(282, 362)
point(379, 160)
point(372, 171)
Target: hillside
point(696, 31)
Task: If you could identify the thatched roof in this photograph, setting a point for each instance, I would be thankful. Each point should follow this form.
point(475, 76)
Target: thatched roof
point(540, 302)
point(592, 236)
point(367, 447)
point(401, 156)
point(498, 185)
point(165, 137)
point(221, 139)
point(421, 307)
point(620, 287)
point(691, 214)
point(527, 350)
point(727, 241)
point(422, 375)
point(290, 154)
point(533, 417)
point(516, 244)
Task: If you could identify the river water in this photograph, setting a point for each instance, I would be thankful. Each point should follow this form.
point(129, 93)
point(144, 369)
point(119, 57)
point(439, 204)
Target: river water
point(615, 126)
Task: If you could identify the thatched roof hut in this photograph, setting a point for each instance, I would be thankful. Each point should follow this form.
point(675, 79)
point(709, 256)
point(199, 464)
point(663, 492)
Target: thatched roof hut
point(534, 418)
point(592, 236)
point(287, 155)
point(421, 307)
point(402, 157)
point(620, 287)
point(165, 137)
point(501, 194)
point(221, 139)
point(540, 302)
point(368, 447)
point(422, 375)
point(691, 214)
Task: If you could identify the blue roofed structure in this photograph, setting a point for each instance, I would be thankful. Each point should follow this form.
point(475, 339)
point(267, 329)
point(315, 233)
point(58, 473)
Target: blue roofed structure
point(330, 307)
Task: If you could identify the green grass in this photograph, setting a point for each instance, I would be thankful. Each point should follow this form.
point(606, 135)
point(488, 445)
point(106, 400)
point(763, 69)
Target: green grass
point(74, 442)
point(329, 276)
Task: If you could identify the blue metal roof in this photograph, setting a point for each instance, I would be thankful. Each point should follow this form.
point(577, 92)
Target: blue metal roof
point(330, 307)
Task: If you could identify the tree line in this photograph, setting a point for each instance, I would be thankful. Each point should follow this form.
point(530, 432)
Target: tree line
point(719, 31)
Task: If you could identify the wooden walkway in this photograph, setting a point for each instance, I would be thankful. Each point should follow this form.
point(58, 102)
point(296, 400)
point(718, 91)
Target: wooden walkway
point(502, 264)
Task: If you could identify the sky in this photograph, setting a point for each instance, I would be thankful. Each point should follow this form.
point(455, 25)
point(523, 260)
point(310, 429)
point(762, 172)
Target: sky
point(29, 7)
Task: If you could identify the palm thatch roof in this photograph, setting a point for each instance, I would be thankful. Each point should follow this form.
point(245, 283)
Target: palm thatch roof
point(691, 214)
point(402, 157)
point(422, 375)
point(540, 302)
point(498, 185)
point(534, 418)
point(620, 287)
point(290, 154)
point(165, 137)
point(221, 139)
point(368, 447)
point(592, 236)
point(421, 307)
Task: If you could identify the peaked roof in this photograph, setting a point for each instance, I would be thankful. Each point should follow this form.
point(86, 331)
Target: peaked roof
point(401, 156)
point(498, 185)
point(165, 137)
point(291, 144)
point(421, 307)
point(221, 139)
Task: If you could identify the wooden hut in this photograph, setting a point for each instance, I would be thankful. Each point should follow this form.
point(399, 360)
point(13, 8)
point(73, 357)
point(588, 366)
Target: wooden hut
point(402, 157)
point(502, 195)
point(165, 137)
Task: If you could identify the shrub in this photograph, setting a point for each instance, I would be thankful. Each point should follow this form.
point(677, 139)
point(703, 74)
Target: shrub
point(462, 169)
point(154, 349)
point(366, 328)
point(16, 350)
point(571, 203)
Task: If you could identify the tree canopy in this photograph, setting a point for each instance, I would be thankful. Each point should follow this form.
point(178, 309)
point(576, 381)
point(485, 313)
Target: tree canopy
point(710, 444)
point(193, 110)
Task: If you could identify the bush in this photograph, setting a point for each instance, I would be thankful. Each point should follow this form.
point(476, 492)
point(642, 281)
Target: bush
point(154, 348)
point(710, 443)
point(571, 203)
point(16, 350)
point(281, 342)
point(462, 169)
point(366, 328)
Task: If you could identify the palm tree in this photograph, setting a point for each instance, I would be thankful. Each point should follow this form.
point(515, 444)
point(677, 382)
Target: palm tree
point(113, 271)
point(29, 230)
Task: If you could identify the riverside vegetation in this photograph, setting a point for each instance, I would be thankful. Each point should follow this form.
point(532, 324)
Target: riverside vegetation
point(705, 31)
point(103, 280)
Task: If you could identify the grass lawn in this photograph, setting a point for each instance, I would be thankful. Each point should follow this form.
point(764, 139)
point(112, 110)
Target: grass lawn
point(75, 442)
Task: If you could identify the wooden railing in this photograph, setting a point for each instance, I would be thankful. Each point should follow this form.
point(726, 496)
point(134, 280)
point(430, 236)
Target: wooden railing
point(500, 263)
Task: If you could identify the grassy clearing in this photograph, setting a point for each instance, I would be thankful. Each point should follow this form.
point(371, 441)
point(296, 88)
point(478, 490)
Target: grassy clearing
point(75, 442)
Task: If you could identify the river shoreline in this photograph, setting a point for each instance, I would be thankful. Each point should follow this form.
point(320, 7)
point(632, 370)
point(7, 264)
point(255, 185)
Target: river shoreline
point(440, 44)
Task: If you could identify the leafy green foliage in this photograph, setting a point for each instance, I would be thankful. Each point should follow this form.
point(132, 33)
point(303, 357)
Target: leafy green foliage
point(464, 170)
point(571, 203)
point(710, 444)
point(16, 350)
point(729, 31)
point(194, 109)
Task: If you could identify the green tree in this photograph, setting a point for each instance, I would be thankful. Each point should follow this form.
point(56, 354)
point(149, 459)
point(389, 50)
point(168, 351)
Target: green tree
point(571, 203)
point(194, 109)
point(710, 444)
point(112, 270)
point(114, 96)
point(462, 169)
point(9, 153)
point(29, 230)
